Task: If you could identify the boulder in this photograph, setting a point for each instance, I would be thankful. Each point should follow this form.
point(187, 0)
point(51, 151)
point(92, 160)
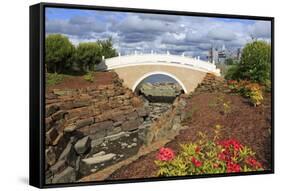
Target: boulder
point(81, 103)
point(69, 155)
point(99, 159)
point(96, 142)
point(101, 127)
point(116, 136)
point(48, 123)
point(70, 128)
point(66, 176)
point(58, 167)
point(89, 163)
point(51, 109)
point(132, 116)
point(59, 115)
point(82, 145)
point(50, 155)
point(84, 122)
point(51, 136)
point(130, 125)
point(103, 117)
point(115, 130)
point(142, 112)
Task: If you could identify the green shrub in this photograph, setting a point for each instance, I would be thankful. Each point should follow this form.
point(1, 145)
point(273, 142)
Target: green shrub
point(54, 78)
point(88, 54)
point(254, 65)
point(232, 72)
point(89, 77)
point(255, 62)
point(250, 90)
point(59, 54)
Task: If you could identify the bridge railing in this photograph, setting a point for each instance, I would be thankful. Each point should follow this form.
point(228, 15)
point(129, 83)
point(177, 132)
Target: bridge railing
point(127, 60)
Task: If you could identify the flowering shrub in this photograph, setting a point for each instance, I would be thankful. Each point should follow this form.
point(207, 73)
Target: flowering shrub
point(253, 91)
point(165, 154)
point(207, 157)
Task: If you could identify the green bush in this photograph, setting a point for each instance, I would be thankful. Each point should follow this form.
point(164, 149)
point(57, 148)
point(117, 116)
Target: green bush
point(89, 77)
point(54, 78)
point(255, 63)
point(59, 54)
point(88, 54)
point(232, 72)
point(107, 49)
point(253, 91)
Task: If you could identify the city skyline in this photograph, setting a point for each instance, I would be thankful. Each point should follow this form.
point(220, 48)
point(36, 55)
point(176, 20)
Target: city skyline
point(130, 32)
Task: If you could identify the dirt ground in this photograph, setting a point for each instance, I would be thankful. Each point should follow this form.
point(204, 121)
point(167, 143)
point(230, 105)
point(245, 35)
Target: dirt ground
point(75, 82)
point(242, 121)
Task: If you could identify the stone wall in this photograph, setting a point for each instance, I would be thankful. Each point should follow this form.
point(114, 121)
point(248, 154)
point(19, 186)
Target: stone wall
point(88, 129)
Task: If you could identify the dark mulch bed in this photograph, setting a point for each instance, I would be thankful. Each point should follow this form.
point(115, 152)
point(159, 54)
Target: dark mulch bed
point(77, 82)
point(250, 125)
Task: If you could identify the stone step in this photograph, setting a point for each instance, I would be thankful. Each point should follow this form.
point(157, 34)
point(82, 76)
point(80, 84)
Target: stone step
point(99, 159)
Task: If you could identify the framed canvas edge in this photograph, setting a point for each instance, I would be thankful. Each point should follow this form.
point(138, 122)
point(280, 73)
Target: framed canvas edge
point(39, 90)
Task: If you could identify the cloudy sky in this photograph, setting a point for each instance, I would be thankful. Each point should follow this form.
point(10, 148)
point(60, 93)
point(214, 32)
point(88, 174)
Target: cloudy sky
point(131, 32)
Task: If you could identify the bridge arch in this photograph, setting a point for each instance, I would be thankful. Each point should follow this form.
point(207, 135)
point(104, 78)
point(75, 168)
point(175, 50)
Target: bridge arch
point(132, 69)
point(139, 80)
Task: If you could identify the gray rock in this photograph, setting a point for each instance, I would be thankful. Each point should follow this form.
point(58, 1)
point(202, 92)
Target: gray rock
point(77, 163)
point(51, 156)
point(51, 136)
point(99, 154)
point(130, 125)
point(58, 167)
point(87, 164)
point(134, 144)
point(68, 154)
point(82, 145)
point(142, 112)
point(124, 144)
point(99, 159)
point(70, 128)
point(51, 109)
point(66, 176)
point(117, 124)
point(132, 116)
point(59, 115)
point(96, 142)
point(115, 130)
point(84, 122)
point(115, 137)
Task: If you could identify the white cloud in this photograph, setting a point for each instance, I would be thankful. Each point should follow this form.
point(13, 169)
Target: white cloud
point(146, 32)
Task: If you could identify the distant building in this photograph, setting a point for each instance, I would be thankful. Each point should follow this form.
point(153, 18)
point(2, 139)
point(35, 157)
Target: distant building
point(219, 56)
point(213, 55)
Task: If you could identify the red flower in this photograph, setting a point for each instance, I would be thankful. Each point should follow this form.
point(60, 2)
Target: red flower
point(236, 145)
point(253, 162)
point(225, 155)
point(196, 162)
point(233, 167)
point(165, 154)
point(197, 149)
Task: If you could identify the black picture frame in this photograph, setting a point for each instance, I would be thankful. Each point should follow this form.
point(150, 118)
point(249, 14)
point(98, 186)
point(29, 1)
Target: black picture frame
point(37, 92)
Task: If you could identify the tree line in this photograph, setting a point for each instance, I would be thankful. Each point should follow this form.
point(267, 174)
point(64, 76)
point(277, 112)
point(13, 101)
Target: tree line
point(62, 57)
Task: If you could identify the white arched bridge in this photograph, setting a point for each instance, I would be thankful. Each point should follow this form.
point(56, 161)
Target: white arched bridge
point(188, 72)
